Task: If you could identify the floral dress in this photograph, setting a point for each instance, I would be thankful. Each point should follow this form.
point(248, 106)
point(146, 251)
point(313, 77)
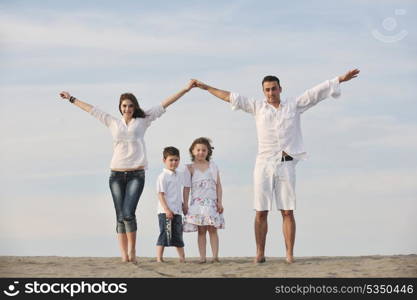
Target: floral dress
point(202, 208)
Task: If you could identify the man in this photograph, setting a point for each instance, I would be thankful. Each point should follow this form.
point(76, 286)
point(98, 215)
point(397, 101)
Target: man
point(280, 146)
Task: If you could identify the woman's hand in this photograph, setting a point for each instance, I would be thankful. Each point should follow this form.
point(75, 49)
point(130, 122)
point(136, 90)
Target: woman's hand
point(191, 84)
point(200, 84)
point(65, 95)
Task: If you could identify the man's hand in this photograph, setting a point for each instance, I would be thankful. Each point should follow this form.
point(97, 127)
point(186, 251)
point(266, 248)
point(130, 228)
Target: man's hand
point(191, 84)
point(349, 75)
point(224, 95)
point(201, 85)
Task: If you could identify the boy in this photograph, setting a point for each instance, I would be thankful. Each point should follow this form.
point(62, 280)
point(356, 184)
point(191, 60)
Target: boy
point(172, 203)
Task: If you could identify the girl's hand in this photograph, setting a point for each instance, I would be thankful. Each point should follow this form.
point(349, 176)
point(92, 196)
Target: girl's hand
point(185, 209)
point(220, 208)
point(65, 95)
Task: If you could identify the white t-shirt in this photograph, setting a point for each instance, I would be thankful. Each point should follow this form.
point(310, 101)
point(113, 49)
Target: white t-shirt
point(171, 184)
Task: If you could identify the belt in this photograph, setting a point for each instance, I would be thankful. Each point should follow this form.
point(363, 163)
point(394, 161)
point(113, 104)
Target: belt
point(286, 158)
point(127, 172)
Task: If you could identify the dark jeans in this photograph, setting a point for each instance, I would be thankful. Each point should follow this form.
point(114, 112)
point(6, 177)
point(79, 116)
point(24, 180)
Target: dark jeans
point(126, 188)
point(173, 238)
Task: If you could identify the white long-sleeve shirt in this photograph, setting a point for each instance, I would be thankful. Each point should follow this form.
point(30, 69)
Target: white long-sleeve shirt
point(129, 150)
point(279, 129)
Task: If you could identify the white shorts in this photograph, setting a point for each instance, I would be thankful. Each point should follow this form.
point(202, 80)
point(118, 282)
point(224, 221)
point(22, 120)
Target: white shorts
point(274, 182)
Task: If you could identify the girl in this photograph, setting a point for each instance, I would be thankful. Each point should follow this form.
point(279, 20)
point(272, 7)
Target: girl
point(205, 210)
point(128, 164)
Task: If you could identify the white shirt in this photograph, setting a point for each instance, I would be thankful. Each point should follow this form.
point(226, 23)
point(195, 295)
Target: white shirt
point(129, 150)
point(171, 184)
point(280, 129)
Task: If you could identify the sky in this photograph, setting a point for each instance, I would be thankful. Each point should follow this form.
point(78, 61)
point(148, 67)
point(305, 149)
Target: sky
point(356, 193)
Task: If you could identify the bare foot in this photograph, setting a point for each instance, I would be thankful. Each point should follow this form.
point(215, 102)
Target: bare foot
point(289, 259)
point(259, 260)
point(182, 260)
point(160, 260)
point(132, 256)
point(215, 260)
point(125, 259)
point(202, 261)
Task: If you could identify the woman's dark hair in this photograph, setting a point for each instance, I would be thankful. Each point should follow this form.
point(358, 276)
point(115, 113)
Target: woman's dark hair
point(138, 113)
point(204, 141)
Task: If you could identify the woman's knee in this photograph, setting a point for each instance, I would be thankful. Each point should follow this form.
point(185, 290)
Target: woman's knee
point(130, 224)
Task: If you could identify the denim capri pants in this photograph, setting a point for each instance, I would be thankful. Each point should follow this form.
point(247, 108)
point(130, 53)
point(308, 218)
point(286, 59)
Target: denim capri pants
point(126, 188)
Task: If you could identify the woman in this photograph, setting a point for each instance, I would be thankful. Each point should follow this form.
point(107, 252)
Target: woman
point(129, 161)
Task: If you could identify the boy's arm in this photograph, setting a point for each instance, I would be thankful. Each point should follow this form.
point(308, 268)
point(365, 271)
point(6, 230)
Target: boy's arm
point(162, 200)
point(186, 194)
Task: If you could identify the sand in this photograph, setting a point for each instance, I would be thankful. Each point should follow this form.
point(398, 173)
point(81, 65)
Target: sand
point(229, 267)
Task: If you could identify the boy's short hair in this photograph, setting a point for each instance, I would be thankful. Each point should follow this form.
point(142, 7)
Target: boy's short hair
point(171, 151)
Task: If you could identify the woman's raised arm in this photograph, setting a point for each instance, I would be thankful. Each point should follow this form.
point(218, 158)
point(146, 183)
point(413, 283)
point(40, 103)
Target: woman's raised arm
point(171, 99)
point(84, 106)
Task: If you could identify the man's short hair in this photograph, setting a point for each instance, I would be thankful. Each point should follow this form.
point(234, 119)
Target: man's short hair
point(270, 78)
point(171, 151)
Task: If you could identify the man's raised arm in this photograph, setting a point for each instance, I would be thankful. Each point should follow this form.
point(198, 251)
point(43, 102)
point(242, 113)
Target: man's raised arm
point(324, 90)
point(348, 75)
point(224, 95)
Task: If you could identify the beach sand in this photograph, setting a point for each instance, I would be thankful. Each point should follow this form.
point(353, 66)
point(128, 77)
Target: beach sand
point(229, 267)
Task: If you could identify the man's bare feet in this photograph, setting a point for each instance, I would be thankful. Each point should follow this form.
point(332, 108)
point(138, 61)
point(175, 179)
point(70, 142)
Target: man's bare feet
point(289, 259)
point(259, 260)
